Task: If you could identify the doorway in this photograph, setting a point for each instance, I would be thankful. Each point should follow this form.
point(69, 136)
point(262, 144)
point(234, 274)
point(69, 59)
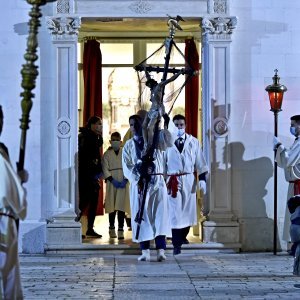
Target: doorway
point(124, 43)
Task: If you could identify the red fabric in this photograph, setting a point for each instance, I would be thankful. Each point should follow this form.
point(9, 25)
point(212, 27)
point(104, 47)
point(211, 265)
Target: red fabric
point(296, 187)
point(172, 186)
point(192, 88)
point(92, 78)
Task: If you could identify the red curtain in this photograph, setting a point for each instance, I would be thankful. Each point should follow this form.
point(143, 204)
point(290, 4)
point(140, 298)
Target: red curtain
point(192, 88)
point(92, 77)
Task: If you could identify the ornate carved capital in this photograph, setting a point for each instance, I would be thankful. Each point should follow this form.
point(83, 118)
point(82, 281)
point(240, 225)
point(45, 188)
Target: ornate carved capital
point(63, 7)
point(218, 7)
point(140, 7)
point(63, 127)
point(63, 27)
point(220, 127)
point(219, 27)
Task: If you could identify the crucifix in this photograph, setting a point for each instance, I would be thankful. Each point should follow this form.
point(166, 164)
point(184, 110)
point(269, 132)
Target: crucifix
point(151, 122)
point(157, 109)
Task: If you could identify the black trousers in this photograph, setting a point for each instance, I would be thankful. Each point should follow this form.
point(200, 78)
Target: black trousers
point(160, 243)
point(121, 218)
point(179, 235)
point(89, 201)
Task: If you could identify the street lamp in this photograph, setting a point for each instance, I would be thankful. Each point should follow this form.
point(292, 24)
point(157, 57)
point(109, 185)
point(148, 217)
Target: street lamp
point(275, 91)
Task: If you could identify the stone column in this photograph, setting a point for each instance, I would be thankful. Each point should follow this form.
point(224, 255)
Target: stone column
point(221, 225)
point(62, 230)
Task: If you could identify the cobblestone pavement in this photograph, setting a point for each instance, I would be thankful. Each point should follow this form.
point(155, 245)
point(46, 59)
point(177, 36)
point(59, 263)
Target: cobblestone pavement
point(199, 274)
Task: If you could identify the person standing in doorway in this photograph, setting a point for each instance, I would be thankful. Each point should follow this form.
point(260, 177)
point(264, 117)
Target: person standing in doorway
point(90, 170)
point(117, 186)
point(183, 159)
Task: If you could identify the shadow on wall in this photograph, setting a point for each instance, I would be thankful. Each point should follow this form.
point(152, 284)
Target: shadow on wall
point(249, 180)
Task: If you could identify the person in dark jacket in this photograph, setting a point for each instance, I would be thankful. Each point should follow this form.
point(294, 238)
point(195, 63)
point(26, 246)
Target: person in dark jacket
point(89, 170)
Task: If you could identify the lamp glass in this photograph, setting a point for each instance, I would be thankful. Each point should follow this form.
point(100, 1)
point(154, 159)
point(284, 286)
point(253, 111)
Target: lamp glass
point(275, 100)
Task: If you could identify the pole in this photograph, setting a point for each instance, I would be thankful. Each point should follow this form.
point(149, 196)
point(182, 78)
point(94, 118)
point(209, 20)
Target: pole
point(29, 74)
point(275, 188)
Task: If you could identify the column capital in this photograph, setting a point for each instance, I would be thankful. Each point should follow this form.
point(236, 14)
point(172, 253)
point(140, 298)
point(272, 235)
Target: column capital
point(64, 27)
point(219, 28)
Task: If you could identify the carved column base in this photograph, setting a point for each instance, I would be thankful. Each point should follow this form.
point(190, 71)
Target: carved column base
point(226, 233)
point(62, 232)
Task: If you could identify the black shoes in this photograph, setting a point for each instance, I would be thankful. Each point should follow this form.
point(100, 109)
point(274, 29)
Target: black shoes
point(77, 219)
point(92, 233)
point(176, 250)
point(185, 241)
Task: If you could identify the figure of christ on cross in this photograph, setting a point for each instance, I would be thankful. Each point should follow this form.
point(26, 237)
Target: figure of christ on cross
point(157, 109)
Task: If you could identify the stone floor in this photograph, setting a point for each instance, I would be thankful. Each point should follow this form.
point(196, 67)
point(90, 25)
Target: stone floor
point(194, 274)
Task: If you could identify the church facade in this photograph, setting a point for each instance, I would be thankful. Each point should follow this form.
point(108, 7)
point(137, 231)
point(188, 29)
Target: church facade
point(242, 42)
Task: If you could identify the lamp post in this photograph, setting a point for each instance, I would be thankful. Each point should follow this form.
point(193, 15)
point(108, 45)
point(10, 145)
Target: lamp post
point(275, 91)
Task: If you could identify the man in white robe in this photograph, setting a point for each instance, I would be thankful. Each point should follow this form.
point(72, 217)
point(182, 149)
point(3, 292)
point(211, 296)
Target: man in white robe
point(12, 207)
point(289, 160)
point(183, 159)
point(155, 224)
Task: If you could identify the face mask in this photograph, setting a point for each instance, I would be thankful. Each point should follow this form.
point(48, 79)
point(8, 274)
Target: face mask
point(180, 132)
point(293, 130)
point(116, 145)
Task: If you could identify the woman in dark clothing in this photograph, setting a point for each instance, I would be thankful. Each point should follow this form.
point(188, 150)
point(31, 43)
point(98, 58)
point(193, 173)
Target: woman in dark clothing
point(89, 170)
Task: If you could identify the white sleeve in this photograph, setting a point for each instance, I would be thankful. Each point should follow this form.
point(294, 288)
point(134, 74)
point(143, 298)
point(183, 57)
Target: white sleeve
point(201, 165)
point(128, 163)
point(12, 194)
point(105, 165)
point(288, 158)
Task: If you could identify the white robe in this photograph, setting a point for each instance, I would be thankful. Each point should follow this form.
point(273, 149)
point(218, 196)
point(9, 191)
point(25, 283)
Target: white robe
point(115, 199)
point(156, 215)
point(289, 160)
point(183, 209)
point(13, 203)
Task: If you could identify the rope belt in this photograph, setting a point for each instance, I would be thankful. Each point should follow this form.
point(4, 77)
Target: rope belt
point(7, 215)
point(296, 186)
point(172, 184)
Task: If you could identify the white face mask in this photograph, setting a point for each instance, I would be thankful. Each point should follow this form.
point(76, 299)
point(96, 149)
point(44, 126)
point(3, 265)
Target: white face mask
point(181, 131)
point(293, 130)
point(115, 145)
